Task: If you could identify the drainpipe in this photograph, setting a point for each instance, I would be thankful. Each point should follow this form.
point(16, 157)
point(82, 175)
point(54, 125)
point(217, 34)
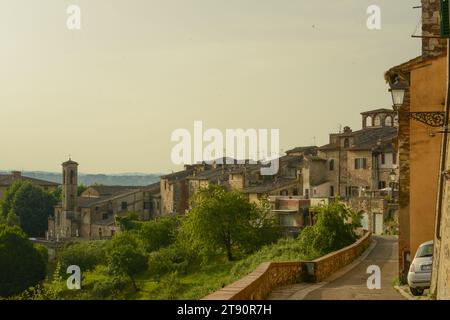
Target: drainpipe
point(444, 148)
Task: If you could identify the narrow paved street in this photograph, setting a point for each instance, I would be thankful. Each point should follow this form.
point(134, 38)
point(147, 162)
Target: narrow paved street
point(351, 283)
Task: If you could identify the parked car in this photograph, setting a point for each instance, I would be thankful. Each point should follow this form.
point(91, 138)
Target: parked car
point(419, 275)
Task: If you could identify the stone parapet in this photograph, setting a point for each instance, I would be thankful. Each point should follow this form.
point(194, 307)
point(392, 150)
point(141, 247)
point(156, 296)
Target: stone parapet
point(269, 275)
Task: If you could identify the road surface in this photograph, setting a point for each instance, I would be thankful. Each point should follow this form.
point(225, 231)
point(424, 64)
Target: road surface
point(351, 282)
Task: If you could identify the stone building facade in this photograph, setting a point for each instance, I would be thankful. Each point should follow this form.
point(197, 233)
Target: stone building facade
point(364, 159)
point(92, 214)
point(419, 142)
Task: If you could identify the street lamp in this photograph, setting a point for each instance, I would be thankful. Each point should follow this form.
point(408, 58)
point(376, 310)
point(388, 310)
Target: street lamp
point(398, 90)
point(393, 177)
point(433, 119)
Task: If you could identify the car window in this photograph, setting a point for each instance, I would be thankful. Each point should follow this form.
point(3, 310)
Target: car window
point(425, 251)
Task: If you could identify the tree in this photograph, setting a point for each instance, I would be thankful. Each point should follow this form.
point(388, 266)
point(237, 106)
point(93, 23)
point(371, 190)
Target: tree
point(154, 234)
point(21, 264)
point(10, 220)
point(31, 204)
point(158, 233)
point(222, 221)
point(130, 222)
point(334, 229)
point(126, 256)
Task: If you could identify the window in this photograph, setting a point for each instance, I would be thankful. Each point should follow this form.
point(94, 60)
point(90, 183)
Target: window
point(346, 143)
point(388, 121)
point(96, 209)
point(369, 121)
point(124, 205)
point(105, 216)
point(307, 193)
point(71, 176)
point(331, 191)
point(287, 220)
point(381, 185)
point(377, 121)
point(148, 205)
point(383, 158)
point(394, 158)
point(295, 192)
point(360, 163)
point(331, 164)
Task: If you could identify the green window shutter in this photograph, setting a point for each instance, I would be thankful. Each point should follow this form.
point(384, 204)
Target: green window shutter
point(445, 19)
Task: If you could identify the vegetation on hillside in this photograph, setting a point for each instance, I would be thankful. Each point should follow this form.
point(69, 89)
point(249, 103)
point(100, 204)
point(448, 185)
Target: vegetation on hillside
point(220, 240)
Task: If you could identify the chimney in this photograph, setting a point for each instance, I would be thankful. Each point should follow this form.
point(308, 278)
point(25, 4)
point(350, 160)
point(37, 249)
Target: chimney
point(16, 175)
point(347, 130)
point(432, 47)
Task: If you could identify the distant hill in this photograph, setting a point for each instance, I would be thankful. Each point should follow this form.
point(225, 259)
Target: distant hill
point(126, 179)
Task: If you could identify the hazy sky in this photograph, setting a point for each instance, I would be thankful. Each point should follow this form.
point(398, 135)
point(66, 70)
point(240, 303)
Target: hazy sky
point(111, 93)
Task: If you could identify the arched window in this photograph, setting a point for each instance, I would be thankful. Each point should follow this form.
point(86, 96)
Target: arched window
point(388, 121)
point(331, 164)
point(396, 121)
point(377, 121)
point(346, 143)
point(369, 121)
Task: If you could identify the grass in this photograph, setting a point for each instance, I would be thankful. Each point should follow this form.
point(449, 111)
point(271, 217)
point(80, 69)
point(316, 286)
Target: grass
point(218, 273)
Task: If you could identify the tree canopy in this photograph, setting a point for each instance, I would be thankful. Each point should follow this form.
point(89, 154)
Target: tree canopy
point(21, 264)
point(224, 221)
point(335, 228)
point(31, 206)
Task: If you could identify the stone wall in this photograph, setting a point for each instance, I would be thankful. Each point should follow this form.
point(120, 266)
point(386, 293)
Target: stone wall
point(404, 149)
point(329, 264)
point(431, 28)
point(258, 284)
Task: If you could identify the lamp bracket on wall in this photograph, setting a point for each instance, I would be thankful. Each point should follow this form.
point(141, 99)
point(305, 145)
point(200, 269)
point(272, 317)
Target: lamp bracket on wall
point(432, 119)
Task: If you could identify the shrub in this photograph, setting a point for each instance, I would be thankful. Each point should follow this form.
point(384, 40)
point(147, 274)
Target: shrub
point(110, 287)
point(170, 259)
point(43, 251)
point(87, 255)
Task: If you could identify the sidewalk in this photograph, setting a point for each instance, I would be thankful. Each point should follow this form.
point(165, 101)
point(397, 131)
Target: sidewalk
point(406, 293)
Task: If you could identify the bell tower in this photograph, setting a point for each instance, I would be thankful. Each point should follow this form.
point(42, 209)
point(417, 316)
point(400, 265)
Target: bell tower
point(69, 186)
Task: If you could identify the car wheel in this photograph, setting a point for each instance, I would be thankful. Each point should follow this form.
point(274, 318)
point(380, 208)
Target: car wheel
point(416, 291)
